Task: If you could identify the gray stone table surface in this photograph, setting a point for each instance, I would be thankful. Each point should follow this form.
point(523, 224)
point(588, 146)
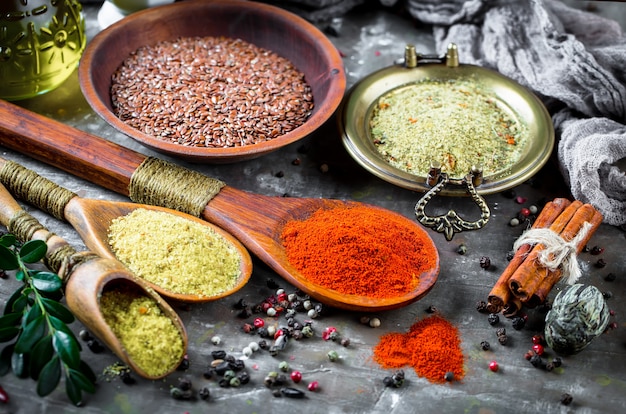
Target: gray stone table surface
point(369, 40)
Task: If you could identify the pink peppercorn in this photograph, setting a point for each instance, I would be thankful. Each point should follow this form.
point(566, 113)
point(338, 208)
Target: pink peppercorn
point(493, 366)
point(313, 386)
point(258, 323)
point(296, 376)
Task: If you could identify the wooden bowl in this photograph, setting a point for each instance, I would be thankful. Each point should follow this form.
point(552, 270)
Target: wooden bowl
point(265, 26)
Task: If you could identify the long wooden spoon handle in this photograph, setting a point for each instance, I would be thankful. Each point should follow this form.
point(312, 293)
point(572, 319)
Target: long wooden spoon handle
point(82, 154)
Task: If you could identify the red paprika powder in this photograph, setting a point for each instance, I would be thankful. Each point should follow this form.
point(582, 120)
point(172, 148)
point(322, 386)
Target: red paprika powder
point(432, 347)
point(360, 250)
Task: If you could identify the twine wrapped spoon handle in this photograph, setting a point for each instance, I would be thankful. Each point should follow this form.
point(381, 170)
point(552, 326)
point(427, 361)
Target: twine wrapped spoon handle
point(85, 275)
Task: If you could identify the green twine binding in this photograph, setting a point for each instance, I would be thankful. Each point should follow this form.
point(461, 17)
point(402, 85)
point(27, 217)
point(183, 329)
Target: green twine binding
point(36, 190)
point(160, 183)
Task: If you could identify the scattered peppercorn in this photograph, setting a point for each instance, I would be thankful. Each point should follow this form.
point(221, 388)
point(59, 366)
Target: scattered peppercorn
point(204, 393)
point(537, 361)
point(295, 161)
point(313, 386)
point(518, 323)
point(396, 380)
point(4, 397)
point(493, 319)
point(374, 322)
point(448, 376)
point(296, 376)
point(514, 222)
point(345, 342)
point(279, 174)
point(292, 392)
point(184, 364)
point(283, 366)
point(493, 366)
point(566, 399)
point(600, 263)
point(95, 346)
point(485, 346)
point(610, 277)
point(520, 199)
point(216, 340)
point(481, 306)
point(84, 335)
point(607, 294)
point(431, 309)
point(462, 249)
point(510, 193)
point(596, 250)
point(333, 356)
point(485, 262)
point(537, 339)
point(538, 349)
point(557, 361)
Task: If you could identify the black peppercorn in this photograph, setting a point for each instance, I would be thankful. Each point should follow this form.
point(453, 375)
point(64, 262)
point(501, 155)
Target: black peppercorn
point(223, 383)
point(244, 377)
point(600, 263)
point(204, 393)
point(596, 250)
point(208, 374)
point(537, 361)
point(493, 319)
point(84, 335)
point(95, 346)
point(184, 365)
point(222, 367)
point(126, 377)
point(218, 354)
point(241, 304)
point(448, 376)
point(485, 346)
point(503, 339)
point(481, 306)
point(244, 313)
point(518, 323)
point(388, 381)
point(292, 392)
point(462, 249)
point(607, 295)
point(566, 399)
point(501, 332)
point(237, 365)
point(431, 309)
point(610, 277)
point(510, 193)
point(510, 255)
point(557, 362)
point(485, 262)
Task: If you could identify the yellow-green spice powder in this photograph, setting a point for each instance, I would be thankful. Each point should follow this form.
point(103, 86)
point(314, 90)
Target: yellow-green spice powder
point(451, 122)
point(148, 335)
point(174, 253)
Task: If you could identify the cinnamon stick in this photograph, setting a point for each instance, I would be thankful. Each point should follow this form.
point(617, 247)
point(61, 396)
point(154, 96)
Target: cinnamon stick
point(542, 291)
point(527, 278)
point(500, 295)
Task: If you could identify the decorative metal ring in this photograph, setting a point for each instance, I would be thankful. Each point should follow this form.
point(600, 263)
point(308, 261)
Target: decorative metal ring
point(451, 222)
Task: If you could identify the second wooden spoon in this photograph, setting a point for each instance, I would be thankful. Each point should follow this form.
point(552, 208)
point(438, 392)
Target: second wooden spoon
point(92, 219)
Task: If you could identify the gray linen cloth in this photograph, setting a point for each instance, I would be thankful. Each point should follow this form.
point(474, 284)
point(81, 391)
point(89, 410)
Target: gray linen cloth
point(574, 60)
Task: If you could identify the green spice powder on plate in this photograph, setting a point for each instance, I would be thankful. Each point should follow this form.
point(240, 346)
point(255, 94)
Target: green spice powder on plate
point(452, 122)
point(177, 254)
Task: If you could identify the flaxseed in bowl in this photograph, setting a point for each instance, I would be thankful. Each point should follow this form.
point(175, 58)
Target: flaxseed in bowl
point(213, 81)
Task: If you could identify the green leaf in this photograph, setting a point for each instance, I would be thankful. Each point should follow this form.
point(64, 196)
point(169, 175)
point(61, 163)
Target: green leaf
point(59, 325)
point(72, 389)
point(7, 240)
point(10, 319)
point(32, 314)
point(33, 251)
point(82, 381)
point(46, 281)
point(49, 377)
point(8, 333)
point(57, 310)
point(5, 359)
point(9, 307)
point(87, 372)
point(31, 334)
point(41, 354)
point(20, 304)
point(8, 261)
point(19, 364)
point(67, 348)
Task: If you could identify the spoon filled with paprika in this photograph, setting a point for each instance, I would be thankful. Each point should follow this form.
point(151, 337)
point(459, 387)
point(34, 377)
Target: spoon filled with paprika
point(180, 256)
point(266, 225)
point(93, 285)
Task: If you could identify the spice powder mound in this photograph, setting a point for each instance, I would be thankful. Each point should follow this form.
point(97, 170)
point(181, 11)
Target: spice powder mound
point(176, 254)
point(359, 250)
point(454, 123)
point(213, 92)
point(148, 336)
point(432, 347)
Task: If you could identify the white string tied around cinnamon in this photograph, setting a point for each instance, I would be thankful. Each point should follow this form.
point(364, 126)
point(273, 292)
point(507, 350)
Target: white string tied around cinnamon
point(557, 251)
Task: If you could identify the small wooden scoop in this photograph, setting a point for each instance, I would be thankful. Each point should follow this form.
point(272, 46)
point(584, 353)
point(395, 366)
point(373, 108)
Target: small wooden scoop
point(92, 220)
point(85, 281)
point(256, 220)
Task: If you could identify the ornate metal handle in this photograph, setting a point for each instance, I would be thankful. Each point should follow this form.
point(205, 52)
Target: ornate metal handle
point(451, 222)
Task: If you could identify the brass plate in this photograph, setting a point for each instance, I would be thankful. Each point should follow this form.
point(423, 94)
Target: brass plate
point(356, 111)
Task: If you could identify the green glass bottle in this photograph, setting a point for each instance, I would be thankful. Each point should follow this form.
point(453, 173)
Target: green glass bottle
point(41, 42)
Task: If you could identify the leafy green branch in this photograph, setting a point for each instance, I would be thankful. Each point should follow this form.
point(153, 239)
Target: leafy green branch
point(36, 323)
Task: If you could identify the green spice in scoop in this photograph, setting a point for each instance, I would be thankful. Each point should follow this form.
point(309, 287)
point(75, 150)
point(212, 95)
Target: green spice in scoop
point(451, 122)
point(149, 336)
point(174, 253)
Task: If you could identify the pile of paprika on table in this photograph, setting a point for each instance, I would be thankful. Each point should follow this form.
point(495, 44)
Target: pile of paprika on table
point(432, 347)
point(360, 250)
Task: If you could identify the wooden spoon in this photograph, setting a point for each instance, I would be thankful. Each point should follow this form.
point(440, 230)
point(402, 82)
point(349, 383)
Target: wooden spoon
point(86, 282)
point(256, 220)
point(92, 220)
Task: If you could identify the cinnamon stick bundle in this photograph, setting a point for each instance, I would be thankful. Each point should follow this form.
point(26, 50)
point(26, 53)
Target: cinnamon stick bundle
point(525, 280)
